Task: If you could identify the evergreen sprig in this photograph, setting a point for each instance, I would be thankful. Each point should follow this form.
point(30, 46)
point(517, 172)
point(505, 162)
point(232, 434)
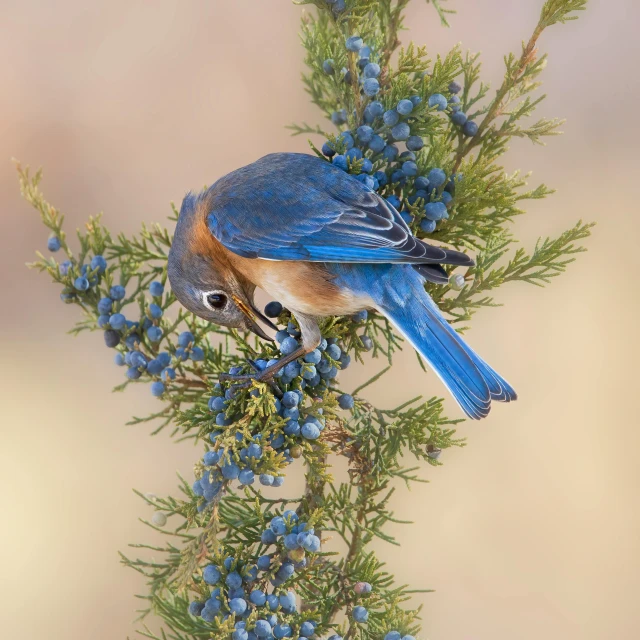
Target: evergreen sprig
point(222, 540)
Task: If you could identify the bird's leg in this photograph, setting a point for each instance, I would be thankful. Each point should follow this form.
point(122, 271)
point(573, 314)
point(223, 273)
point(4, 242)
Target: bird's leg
point(310, 340)
point(246, 379)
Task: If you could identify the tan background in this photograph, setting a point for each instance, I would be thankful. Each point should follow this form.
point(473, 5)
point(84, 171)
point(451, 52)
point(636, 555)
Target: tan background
point(532, 530)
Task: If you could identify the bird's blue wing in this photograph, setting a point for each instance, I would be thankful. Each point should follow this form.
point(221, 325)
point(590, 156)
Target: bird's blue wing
point(290, 206)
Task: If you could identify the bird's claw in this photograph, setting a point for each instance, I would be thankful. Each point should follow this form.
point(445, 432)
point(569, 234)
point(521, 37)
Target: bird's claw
point(261, 375)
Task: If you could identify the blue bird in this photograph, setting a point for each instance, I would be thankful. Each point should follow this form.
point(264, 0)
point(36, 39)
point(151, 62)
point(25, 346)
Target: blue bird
point(322, 243)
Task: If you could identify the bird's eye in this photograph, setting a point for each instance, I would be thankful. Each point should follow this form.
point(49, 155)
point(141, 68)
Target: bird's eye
point(216, 300)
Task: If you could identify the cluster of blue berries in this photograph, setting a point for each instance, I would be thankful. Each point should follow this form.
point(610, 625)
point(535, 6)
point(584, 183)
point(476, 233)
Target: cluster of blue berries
point(119, 330)
point(86, 275)
point(300, 382)
point(233, 595)
point(458, 116)
point(372, 154)
point(293, 539)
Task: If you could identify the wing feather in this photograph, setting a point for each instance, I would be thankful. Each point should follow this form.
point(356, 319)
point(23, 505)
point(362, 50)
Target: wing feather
point(289, 206)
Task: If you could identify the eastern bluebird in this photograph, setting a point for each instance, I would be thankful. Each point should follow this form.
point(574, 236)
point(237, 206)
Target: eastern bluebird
point(322, 243)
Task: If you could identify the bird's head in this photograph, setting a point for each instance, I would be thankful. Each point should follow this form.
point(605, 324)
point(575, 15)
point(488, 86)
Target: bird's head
point(204, 282)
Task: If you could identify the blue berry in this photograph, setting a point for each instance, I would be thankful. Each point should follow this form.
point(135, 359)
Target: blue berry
point(111, 338)
point(390, 117)
point(340, 161)
point(446, 197)
point(328, 150)
point(105, 305)
point(53, 244)
point(311, 543)
point(264, 562)
point(333, 351)
point(273, 309)
point(154, 367)
point(65, 266)
point(367, 166)
point(233, 580)
point(195, 608)
point(290, 399)
point(454, 87)
point(262, 629)
point(266, 479)
point(404, 107)
point(347, 138)
point(394, 201)
point(345, 401)
point(81, 283)
point(393, 635)
point(155, 311)
point(470, 128)
point(459, 118)
point(354, 154)
point(164, 358)
point(119, 359)
point(168, 374)
point(133, 373)
point(376, 109)
point(197, 354)
point(99, 263)
point(360, 614)
point(371, 86)
point(436, 177)
point(401, 131)
point(157, 388)
point(354, 43)
point(257, 596)
point(156, 289)
point(281, 630)
point(409, 168)
point(415, 143)
point(240, 634)
point(310, 431)
point(455, 103)
point(211, 458)
point(438, 100)
point(339, 117)
point(246, 477)
point(222, 420)
point(230, 471)
point(365, 52)
point(377, 144)
point(211, 574)
point(338, 6)
point(421, 183)
point(278, 525)
point(103, 320)
point(371, 70)
point(154, 334)
point(416, 100)
point(364, 133)
point(117, 292)
point(254, 451)
point(288, 346)
point(238, 606)
point(366, 342)
point(398, 176)
point(435, 211)
point(185, 339)
point(428, 226)
point(328, 68)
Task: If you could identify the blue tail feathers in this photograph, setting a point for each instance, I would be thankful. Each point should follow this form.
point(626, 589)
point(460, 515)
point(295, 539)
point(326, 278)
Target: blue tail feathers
point(398, 292)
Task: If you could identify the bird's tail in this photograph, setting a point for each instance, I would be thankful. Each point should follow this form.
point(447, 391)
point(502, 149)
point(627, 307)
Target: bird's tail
point(473, 383)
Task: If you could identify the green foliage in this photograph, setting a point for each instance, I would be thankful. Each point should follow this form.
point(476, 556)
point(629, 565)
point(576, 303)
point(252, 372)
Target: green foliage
point(376, 443)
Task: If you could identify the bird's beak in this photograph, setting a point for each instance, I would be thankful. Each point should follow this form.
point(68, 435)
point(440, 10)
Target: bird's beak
point(252, 315)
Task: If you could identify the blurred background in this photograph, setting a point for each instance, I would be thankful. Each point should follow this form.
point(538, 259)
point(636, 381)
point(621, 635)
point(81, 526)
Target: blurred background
point(533, 529)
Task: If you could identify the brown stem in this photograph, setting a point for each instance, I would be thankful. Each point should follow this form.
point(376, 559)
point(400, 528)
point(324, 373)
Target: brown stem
point(527, 57)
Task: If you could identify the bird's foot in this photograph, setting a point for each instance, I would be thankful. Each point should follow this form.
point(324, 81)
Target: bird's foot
point(261, 375)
